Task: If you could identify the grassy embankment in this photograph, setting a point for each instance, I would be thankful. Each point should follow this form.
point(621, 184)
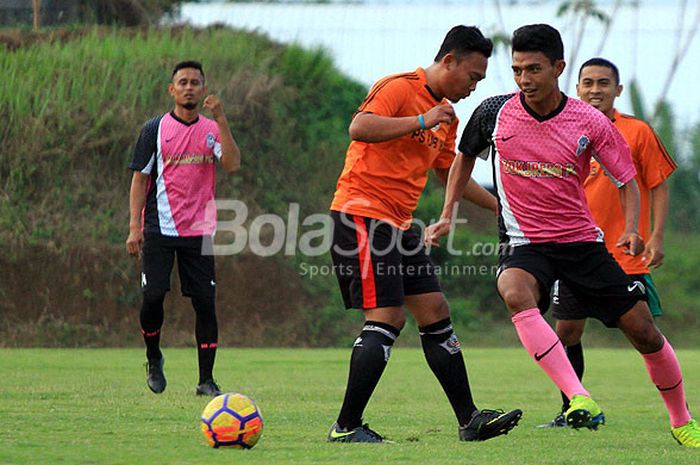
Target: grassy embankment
point(73, 106)
point(73, 103)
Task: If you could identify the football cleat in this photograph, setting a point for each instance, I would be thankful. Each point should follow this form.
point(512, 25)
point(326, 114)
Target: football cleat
point(156, 378)
point(687, 435)
point(208, 388)
point(558, 422)
point(487, 424)
point(584, 413)
point(359, 434)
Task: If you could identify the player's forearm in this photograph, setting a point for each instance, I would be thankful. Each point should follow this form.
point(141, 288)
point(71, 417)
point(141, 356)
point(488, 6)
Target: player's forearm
point(629, 197)
point(137, 199)
point(367, 127)
point(476, 194)
point(230, 153)
point(460, 174)
point(660, 196)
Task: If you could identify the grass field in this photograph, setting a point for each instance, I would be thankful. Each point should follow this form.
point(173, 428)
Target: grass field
point(93, 407)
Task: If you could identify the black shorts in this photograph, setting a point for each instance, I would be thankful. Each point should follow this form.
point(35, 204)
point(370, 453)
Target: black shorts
point(567, 306)
point(196, 269)
point(378, 264)
point(588, 271)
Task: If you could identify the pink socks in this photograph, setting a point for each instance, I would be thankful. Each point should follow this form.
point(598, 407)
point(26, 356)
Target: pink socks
point(542, 343)
point(665, 373)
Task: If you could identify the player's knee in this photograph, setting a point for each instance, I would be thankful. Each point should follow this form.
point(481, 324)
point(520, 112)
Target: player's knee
point(438, 310)
point(398, 321)
point(393, 316)
point(517, 298)
point(153, 298)
point(569, 339)
point(204, 305)
point(569, 334)
point(645, 336)
point(649, 339)
point(442, 309)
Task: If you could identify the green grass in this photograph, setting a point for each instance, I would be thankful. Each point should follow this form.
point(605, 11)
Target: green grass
point(93, 407)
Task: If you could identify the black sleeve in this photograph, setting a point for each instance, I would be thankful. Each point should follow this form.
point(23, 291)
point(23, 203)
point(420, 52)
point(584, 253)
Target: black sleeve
point(146, 145)
point(476, 137)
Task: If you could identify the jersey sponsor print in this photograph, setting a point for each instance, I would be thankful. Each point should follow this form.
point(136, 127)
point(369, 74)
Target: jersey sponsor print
point(540, 165)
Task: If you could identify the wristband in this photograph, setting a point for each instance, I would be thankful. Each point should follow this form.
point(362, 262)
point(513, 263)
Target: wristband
point(421, 121)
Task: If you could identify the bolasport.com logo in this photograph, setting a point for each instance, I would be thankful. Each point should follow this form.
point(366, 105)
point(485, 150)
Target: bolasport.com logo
point(290, 234)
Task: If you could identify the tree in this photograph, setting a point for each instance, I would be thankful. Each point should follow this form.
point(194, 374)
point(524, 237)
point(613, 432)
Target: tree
point(579, 12)
point(685, 187)
point(36, 10)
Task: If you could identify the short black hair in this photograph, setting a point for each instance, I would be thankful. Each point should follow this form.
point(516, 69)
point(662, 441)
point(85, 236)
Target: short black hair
point(539, 38)
point(463, 40)
point(597, 61)
point(187, 64)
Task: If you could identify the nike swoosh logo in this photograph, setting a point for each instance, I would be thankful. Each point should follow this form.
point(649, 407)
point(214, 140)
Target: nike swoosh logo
point(632, 287)
point(503, 139)
point(539, 357)
point(168, 140)
point(337, 435)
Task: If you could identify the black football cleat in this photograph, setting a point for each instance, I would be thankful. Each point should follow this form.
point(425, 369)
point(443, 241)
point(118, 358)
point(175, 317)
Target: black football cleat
point(209, 388)
point(156, 378)
point(359, 434)
point(487, 424)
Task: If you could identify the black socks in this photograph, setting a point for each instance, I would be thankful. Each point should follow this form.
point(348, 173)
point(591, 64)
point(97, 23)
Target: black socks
point(575, 355)
point(206, 333)
point(151, 321)
point(370, 354)
point(443, 354)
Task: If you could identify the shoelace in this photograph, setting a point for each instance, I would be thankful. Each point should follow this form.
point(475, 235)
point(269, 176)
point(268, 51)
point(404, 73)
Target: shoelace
point(490, 414)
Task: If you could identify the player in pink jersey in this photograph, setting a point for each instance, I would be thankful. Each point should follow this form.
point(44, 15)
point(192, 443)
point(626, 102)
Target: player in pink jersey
point(599, 85)
point(541, 142)
point(171, 190)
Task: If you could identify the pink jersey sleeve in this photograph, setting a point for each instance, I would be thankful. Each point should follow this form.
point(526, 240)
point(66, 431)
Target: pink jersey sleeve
point(612, 152)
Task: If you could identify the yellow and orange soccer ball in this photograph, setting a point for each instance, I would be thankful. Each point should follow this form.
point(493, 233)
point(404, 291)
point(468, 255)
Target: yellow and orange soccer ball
point(232, 420)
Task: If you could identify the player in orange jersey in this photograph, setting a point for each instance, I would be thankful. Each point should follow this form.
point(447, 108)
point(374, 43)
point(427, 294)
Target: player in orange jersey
point(405, 127)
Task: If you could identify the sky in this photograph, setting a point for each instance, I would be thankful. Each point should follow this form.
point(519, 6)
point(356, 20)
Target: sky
point(380, 37)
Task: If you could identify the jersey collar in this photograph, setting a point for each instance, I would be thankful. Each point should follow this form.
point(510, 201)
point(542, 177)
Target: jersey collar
point(421, 73)
point(182, 121)
point(549, 115)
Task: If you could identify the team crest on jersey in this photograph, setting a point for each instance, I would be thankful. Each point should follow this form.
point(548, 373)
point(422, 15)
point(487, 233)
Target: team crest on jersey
point(210, 140)
point(583, 143)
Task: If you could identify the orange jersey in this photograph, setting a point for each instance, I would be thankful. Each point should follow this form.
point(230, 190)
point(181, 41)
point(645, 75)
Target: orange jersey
point(384, 180)
point(653, 165)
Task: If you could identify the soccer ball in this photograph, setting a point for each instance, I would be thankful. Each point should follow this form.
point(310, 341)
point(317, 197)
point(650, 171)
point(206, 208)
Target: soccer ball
point(232, 420)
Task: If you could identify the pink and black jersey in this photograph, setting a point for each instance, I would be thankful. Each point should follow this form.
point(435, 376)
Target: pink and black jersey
point(541, 162)
point(180, 159)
